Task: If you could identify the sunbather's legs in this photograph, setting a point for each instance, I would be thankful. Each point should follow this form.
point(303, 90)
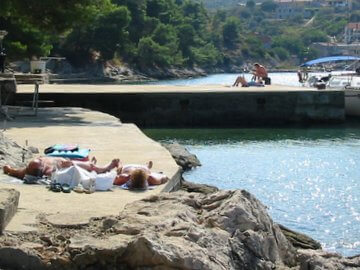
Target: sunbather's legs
point(240, 80)
point(98, 169)
point(18, 173)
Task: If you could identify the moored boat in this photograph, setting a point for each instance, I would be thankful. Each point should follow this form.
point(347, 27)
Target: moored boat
point(348, 80)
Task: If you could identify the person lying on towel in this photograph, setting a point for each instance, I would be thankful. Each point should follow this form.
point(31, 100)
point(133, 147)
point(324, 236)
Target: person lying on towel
point(44, 166)
point(138, 176)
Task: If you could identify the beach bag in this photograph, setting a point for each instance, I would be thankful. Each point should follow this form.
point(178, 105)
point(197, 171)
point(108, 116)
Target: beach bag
point(74, 176)
point(267, 81)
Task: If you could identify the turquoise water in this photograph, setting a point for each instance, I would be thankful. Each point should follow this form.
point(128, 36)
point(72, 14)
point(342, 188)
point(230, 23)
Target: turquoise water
point(309, 178)
point(282, 78)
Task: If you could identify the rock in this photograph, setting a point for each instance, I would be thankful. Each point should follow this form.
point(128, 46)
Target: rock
point(179, 230)
point(198, 188)
point(182, 156)
point(299, 240)
point(108, 223)
point(318, 260)
point(9, 201)
point(33, 150)
point(16, 258)
point(68, 220)
point(185, 231)
point(12, 154)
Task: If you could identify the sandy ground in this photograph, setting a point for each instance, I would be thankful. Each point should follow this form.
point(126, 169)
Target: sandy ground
point(107, 138)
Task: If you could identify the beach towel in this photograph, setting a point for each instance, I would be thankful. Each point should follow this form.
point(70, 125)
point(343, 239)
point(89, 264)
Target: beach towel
point(75, 175)
point(61, 147)
point(80, 154)
point(126, 186)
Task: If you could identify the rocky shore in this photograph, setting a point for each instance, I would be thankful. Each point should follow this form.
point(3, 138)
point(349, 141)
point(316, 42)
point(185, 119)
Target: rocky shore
point(197, 227)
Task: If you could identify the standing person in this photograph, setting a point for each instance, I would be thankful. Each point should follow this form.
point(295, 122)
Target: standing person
point(260, 73)
point(2, 60)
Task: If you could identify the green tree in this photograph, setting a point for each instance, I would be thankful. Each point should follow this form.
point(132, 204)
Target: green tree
point(110, 33)
point(281, 53)
point(250, 4)
point(152, 53)
point(231, 32)
point(268, 6)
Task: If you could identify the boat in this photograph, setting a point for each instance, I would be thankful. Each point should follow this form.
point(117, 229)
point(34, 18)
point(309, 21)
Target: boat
point(335, 72)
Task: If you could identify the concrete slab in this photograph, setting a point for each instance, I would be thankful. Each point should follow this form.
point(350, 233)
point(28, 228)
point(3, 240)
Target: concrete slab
point(113, 88)
point(107, 138)
point(9, 200)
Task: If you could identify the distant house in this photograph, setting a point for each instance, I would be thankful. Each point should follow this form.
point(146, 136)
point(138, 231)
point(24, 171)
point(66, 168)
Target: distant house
point(289, 8)
point(352, 33)
point(329, 49)
point(346, 4)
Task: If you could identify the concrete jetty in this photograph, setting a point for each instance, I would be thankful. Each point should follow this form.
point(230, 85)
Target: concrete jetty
point(107, 138)
point(199, 106)
point(145, 105)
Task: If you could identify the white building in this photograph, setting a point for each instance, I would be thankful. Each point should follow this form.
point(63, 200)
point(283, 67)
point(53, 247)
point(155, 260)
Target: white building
point(290, 8)
point(339, 3)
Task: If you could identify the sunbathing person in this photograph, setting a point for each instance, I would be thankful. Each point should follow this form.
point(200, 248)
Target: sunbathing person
point(241, 80)
point(44, 166)
point(139, 176)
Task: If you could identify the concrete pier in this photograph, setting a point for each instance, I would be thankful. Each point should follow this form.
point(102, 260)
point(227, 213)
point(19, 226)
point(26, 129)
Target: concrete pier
point(107, 138)
point(199, 106)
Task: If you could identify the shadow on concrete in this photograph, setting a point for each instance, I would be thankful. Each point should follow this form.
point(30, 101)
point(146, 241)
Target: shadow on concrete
point(59, 116)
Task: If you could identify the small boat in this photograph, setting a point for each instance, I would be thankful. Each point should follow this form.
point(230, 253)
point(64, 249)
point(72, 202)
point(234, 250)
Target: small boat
point(344, 76)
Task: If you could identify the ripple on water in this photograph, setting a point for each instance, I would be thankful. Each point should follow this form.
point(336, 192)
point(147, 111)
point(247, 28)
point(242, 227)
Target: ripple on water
point(309, 185)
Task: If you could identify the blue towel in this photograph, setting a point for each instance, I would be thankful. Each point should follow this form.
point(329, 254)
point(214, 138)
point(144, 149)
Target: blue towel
point(81, 153)
point(126, 186)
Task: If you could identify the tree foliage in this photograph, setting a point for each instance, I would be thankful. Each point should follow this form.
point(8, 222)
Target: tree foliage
point(162, 33)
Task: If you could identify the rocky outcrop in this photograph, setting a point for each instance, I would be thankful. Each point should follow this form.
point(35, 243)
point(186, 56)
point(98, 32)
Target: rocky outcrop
point(9, 201)
point(224, 230)
point(299, 240)
point(182, 156)
point(13, 154)
point(321, 260)
point(197, 188)
point(221, 230)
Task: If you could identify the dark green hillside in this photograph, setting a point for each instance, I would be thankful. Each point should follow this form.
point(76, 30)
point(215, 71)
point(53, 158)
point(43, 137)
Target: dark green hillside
point(165, 33)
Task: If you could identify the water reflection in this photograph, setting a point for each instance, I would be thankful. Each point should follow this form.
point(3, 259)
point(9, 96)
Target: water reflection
point(309, 178)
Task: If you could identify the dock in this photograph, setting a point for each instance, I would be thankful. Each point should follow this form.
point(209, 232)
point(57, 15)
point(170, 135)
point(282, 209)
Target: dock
point(107, 138)
point(106, 119)
point(199, 106)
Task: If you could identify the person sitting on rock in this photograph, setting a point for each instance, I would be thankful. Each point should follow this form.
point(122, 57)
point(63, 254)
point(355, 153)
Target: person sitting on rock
point(44, 166)
point(138, 176)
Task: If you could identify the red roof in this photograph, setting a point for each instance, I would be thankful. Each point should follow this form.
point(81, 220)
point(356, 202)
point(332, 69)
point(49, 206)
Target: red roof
point(355, 26)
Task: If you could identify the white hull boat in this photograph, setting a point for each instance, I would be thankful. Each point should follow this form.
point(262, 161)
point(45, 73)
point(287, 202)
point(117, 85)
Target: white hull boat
point(343, 79)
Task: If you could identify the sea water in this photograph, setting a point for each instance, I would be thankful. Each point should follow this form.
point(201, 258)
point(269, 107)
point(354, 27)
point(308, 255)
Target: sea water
point(309, 178)
point(281, 78)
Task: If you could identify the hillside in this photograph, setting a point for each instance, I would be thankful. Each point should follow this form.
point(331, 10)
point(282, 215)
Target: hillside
point(224, 4)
